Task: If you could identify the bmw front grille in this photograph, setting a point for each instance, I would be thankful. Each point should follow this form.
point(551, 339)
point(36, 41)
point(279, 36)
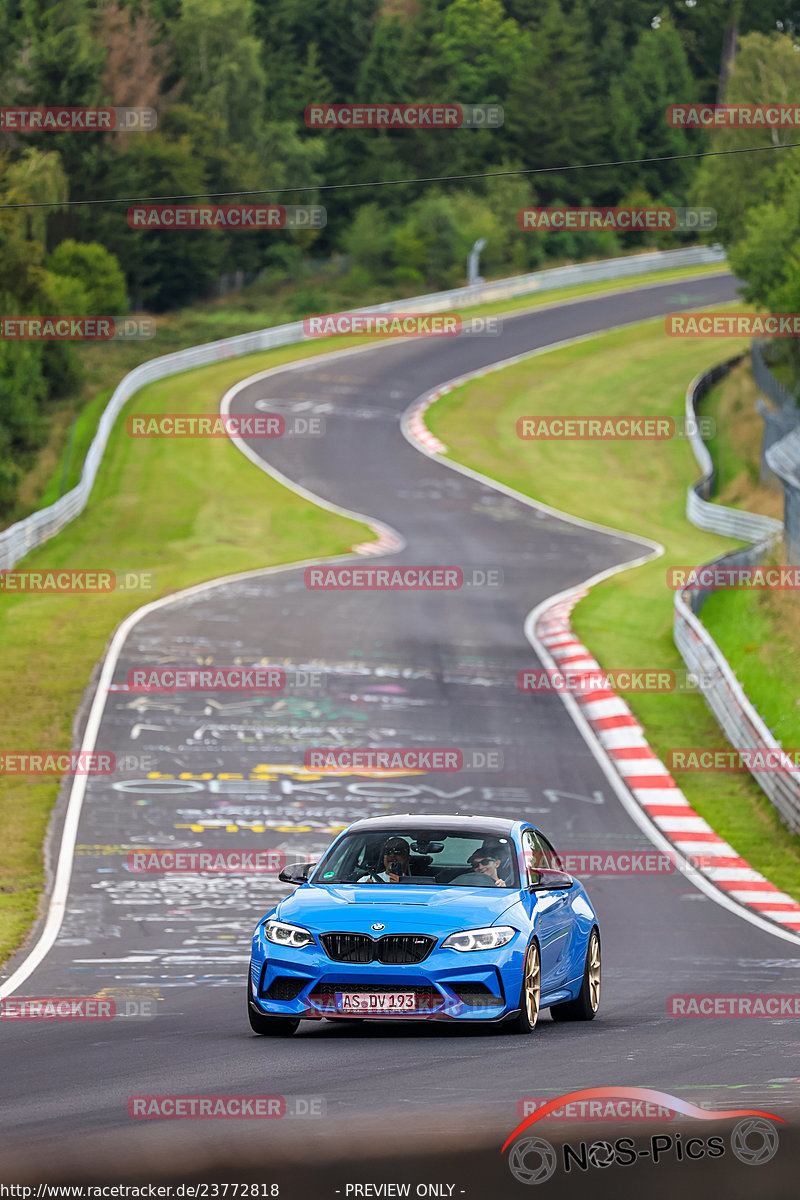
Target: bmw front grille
point(392, 949)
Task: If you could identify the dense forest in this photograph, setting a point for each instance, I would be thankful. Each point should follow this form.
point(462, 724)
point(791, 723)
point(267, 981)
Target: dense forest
point(580, 82)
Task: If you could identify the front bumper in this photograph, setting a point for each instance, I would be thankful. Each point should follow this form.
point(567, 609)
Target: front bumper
point(451, 985)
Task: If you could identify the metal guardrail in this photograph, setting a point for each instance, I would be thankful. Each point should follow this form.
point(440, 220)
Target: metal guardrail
point(724, 695)
point(767, 382)
point(783, 459)
point(39, 527)
point(717, 518)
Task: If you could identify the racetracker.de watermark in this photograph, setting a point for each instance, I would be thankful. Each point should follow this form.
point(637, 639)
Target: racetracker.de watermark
point(78, 120)
point(110, 1005)
point(404, 116)
point(584, 682)
point(616, 220)
point(736, 1005)
point(82, 582)
point(628, 428)
point(712, 578)
point(400, 579)
point(725, 324)
point(258, 680)
point(734, 116)
point(623, 862)
point(227, 216)
point(394, 758)
point(216, 862)
point(58, 1008)
point(76, 329)
point(187, 425)
point(608, 1109)
point(57, 763)
point(611, 862)
point(383, 325)
point(727, 758)
point(175, 1108)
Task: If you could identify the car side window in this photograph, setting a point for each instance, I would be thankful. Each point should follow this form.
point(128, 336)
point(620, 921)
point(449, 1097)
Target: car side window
point(555, 857)
point(535, 855)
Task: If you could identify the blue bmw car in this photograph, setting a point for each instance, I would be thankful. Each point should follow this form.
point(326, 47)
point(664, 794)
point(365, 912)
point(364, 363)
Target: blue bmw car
point(397, 921)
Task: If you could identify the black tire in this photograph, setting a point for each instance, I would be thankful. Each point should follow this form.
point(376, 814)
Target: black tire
point(585, 1005)
point(269, 1026)
point(527, 1018)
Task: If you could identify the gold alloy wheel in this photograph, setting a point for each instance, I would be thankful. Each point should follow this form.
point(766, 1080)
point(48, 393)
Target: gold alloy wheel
point(594, 972)
point(532, 985)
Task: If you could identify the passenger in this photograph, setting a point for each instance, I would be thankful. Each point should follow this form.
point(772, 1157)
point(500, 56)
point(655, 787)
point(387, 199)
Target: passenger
point(486, 861)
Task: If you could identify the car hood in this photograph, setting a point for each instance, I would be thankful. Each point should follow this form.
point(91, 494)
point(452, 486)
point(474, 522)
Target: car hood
point(400, 909)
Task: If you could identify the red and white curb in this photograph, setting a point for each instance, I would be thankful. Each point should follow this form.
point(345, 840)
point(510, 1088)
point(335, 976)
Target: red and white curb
point(650, 783)
point(415, 422)
point(385, 543)
point(414, 418)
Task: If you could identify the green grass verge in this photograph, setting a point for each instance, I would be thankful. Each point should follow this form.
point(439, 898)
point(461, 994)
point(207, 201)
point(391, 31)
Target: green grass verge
point(627, 620)
point(106, 363)
point(151, 509)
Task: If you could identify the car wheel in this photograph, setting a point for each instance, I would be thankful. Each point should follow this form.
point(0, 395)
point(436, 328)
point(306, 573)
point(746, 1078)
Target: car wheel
point(584, 1007)
point(530, 994)
point(269, 1026)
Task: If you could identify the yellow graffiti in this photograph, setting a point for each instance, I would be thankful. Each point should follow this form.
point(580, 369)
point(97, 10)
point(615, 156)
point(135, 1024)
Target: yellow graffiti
point(131, 993)
point(266, 772)
point(258, 827)
point(87, 849)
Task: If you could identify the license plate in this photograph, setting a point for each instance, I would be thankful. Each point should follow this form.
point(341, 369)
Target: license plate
point(366, 1003)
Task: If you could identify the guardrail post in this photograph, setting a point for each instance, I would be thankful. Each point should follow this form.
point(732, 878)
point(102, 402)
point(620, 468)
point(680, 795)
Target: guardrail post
point(780, 395)
point(777, 423)
point(784, 459)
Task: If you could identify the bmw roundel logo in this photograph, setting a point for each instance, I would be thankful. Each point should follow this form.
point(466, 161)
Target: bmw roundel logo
point(378, 925)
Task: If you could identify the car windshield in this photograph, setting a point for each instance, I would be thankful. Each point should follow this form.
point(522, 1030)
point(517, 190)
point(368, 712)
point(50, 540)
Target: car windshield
point(434, 858)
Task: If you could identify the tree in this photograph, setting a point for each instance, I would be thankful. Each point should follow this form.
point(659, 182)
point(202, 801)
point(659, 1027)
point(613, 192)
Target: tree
point(137, 60)
point(658, 76)
point(63, 66)
point(340, 28)
point(220, 63)
point(552, 115)
point(710, 30)
point(766, 70)
point(477, 51)
point(98, 273)
point(30, 372)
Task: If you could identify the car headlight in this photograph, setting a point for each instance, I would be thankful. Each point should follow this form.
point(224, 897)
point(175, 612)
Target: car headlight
point(480, 939)
point(283, 934)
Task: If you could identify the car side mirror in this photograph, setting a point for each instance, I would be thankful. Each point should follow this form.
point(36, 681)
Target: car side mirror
point(296, 872)
point(550, 881)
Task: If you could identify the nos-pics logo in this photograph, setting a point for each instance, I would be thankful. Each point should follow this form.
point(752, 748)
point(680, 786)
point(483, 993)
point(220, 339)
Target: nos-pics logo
point(534, 1160)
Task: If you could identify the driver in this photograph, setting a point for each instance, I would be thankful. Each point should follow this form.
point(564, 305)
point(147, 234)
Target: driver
point(396, 860)
point(486, 861)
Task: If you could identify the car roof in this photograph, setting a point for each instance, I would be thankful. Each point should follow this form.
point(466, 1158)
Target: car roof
point(501, 826)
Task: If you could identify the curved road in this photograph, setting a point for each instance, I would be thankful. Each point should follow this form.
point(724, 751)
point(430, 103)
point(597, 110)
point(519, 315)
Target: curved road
point(397, 668)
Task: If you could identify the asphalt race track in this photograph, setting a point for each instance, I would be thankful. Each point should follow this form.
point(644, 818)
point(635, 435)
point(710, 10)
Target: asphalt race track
point(392, 668)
